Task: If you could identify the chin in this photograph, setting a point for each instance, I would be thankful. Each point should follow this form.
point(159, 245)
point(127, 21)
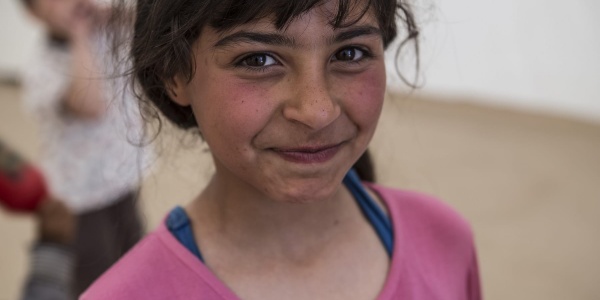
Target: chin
point(310, 193)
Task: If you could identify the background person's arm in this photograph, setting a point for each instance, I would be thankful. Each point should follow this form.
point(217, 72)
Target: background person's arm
point(85, 96)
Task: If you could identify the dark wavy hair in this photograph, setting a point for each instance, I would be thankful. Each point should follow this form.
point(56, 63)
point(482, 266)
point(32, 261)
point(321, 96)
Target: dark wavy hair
point(165, 30)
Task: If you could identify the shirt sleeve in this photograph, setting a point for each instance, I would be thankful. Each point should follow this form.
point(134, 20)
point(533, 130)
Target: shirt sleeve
point(50, 274)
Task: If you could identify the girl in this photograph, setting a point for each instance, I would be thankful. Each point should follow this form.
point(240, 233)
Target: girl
point(287, 95)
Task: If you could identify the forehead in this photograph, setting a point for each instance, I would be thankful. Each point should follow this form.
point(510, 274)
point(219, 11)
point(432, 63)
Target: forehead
point(310, 27)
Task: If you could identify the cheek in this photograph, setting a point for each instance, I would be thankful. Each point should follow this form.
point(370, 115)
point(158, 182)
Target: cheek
point(363, 97)
point(230, 109)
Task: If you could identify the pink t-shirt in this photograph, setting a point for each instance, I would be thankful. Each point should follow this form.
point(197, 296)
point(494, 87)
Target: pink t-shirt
point(433, 258)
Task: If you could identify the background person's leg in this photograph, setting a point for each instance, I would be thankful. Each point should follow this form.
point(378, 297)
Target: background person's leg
point(127, 223)
point(94, 243)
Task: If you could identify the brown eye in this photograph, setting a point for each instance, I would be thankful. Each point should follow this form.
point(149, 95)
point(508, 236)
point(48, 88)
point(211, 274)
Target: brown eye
point(349, 54)
point(259, 60)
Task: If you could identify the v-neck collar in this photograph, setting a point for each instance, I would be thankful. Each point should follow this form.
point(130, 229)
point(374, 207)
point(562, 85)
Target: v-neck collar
point(392, 282)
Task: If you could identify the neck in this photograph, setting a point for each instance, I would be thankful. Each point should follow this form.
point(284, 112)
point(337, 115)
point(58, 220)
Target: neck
point(249, 220)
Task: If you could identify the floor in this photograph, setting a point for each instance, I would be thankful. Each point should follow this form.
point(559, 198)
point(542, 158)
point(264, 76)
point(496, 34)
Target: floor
point(529, 185)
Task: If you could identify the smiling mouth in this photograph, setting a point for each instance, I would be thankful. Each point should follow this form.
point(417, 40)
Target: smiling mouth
point(308, 155)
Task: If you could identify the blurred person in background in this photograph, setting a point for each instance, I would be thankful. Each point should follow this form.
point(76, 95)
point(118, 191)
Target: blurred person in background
point(89, 127)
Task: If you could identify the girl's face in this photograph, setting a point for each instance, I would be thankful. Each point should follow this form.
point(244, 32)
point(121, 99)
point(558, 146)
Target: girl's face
point(287, 112)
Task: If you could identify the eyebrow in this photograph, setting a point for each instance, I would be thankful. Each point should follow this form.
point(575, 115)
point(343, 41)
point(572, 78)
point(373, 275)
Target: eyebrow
point(255, 37)
point(277, 39)
point(355, 32)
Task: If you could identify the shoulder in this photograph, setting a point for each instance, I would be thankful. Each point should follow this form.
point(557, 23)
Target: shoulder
point(147, 269)
point(416, 205)
point(158, 267)
point(123, 278)
point(434, 251)
point(426, 218)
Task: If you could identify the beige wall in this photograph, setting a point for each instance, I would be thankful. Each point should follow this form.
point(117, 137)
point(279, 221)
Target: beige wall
point(539, 55)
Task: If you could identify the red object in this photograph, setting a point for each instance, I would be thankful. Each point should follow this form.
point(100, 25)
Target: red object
point(22, 186)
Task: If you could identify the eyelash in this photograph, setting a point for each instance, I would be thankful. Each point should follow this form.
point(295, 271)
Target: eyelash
point(240, 62)
point(366, 54)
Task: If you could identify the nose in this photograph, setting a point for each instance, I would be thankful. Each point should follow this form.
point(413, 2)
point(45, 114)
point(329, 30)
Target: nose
point(312, 104)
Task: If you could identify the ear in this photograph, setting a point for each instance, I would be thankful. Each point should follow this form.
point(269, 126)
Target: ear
point(176, 89)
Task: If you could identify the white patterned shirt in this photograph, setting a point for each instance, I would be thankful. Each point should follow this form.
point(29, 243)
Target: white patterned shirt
point(88, 164)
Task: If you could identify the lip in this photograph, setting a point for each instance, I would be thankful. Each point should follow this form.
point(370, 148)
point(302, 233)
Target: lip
point(309, 154)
